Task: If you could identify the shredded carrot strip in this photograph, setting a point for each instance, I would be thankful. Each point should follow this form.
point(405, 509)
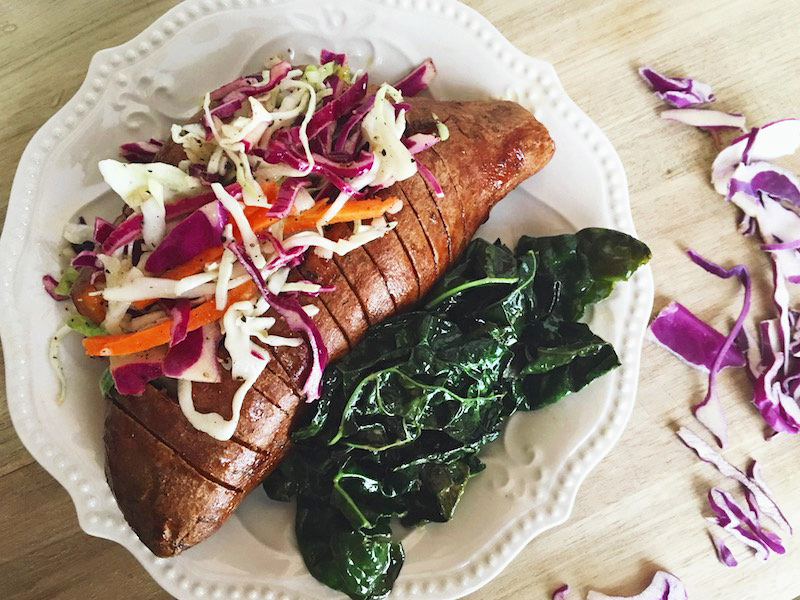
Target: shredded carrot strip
point(352, 210)
point(157, 335)
point(259, 221)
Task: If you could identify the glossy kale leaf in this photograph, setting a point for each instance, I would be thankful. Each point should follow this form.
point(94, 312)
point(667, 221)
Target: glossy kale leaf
point(397, 431)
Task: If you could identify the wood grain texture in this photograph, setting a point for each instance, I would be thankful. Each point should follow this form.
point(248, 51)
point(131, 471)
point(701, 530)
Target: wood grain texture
point(641, 508)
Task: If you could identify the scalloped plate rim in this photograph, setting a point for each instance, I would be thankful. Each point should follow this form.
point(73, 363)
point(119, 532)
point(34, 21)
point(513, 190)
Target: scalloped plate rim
point(9, 328)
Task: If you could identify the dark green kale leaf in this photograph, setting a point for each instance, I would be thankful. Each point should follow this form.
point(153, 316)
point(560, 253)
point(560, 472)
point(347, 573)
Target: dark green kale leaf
point(362, 563)
point(581, 269)
point(398, 429)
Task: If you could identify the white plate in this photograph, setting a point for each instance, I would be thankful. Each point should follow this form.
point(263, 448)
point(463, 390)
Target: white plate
point(134, 91)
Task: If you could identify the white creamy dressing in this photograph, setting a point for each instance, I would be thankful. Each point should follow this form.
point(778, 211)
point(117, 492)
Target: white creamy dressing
point(249, 239)
point(146, 188)
point(225, 271)
point(54, 356)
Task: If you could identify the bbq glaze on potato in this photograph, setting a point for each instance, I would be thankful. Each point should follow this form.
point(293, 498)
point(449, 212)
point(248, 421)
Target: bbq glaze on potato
point(176, 485)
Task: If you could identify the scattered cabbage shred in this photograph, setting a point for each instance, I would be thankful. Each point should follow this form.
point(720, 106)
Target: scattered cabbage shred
point(283, 140)
point(768, 198)
point(664, 586)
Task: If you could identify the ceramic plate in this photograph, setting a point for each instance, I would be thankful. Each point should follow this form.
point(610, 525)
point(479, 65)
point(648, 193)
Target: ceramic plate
point(135, 91)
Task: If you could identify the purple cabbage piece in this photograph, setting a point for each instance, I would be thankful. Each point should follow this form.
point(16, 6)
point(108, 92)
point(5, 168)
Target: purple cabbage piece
point(130, 229)
point(679, 92)
point(86, 258)
point(184, 206)
point(777, 408)
point(141, 152)
point(762, 497)
point(287, 194)
point(184, 354)
point(765, 178)
point(102, 229)
point(50, 283)
point(123, 234)
point(793, 245)
point(777, 379)
point(197, 232)
point(692, 340)
point(724, 553)
point(232, 96)
point(344, 135)
point(417, 80)
point(401, 106)
point(664, 586)
point(201, 172)
point(282, 150)
point(765, 143)
point(561, 593)
point(740, 522)
point(298, 321)
point(285, 258)
point(709, 410)
point(428, 176)
point(179, 321)
point(132, 373)
point(419, 142)
point(195, 358)
point(710, 120)
point(234, 86)
point(327, 56)
point(338, 107)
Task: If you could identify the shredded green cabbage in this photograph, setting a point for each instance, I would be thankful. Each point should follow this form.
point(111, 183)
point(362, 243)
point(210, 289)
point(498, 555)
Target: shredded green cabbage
point(68, 278)
point(84, 326)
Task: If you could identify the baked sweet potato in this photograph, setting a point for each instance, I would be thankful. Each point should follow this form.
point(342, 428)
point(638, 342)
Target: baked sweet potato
point(176, 485)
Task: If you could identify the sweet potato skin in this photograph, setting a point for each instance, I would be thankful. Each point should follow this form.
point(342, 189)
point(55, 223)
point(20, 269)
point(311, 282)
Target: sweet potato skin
point(168, 503)
point(170, 490)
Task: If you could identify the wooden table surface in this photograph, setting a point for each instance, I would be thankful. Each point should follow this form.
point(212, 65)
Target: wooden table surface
point(640, 510)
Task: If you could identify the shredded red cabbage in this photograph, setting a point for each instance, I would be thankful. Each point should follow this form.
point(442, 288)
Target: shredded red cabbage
point(197, 232)
point(284, 258)
point(419, 142)
point(345, 138)
point(709, 120)
point(201, 172)
point(286, 196)
point(431, 179)
point(50, 283)
point(123, 234)
point(298, 321)
point(709, 410)
point(417, 80)
point(86, 258)
point(664, 586)
point(692, 340)
point(762, 497)
point(327, 56)
point(773, 140)
point(133, 372)
point(179, 321)
point(338, 107)
point(724, 553)
point(680, 92)
point(141, 152)
point(102, 229)
point(184, 354)
point(742, 524)
point(561, 593)
point(763, 177)
point(231, 96)
point(195, 358)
